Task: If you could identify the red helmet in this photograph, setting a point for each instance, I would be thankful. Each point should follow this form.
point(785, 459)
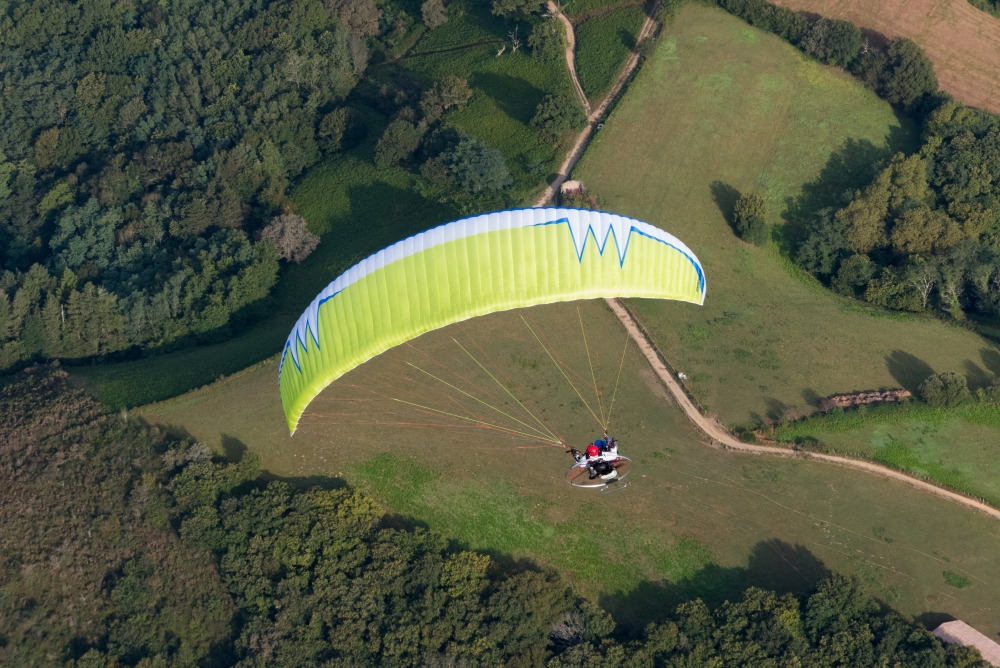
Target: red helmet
point(593, 450)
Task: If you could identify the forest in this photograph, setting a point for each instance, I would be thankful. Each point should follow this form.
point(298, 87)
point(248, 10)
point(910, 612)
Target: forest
point(147, 151)
point(124, 546)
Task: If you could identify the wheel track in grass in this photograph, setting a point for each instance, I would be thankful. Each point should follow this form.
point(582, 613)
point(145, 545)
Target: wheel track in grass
point(593, 117)
point(720, 435)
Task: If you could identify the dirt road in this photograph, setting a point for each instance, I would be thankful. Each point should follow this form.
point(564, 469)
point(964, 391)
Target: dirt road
point(570, 54)
point(596, 116)
point(718, 433)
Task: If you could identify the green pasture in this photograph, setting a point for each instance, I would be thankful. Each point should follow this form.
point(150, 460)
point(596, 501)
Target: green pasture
point(603, 44)
point(958, 447)
point(722, 109)
point(692, 521)
point(359, 209)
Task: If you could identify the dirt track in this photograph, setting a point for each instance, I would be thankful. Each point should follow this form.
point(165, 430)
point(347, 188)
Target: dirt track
point(594, 117)
point(718, 434)
point(570, 54)
point(962, 41)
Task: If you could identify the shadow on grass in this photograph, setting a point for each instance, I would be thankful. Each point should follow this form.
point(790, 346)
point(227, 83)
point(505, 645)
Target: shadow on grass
point(848, 169)
point(908, 370)
point(725, 196)
point(515, 96)
point(773, 565)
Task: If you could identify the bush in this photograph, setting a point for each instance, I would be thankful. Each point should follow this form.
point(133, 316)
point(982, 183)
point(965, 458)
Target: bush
point(434, 13)
point(944, 389)
point(748, 217)
point(558, 114)
point(291, 237)
point(833, 41)
point(398, 142)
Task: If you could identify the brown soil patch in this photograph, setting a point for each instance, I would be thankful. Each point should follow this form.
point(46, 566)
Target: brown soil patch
point(962, 41)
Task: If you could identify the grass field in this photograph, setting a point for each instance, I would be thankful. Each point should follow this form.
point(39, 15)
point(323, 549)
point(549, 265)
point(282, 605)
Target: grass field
point(722, 109)
point(957, 447)
point(693, 521)
point(359, 209)
point(603, 44)
point(962, 41)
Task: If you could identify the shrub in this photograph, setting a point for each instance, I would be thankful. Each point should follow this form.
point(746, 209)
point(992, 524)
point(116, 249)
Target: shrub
point(748, 218)
point(434, 13)
point(291, 237)
point(833, 41)
point(515, 8)
point(558, 114)
point(398, 142)
point(944, 389)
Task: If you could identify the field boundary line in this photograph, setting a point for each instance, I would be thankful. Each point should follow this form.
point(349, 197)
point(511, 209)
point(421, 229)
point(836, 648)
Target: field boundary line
point(717, 433)
point(594, 117)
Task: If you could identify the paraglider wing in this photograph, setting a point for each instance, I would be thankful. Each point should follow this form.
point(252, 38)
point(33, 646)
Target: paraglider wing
point(471, 267)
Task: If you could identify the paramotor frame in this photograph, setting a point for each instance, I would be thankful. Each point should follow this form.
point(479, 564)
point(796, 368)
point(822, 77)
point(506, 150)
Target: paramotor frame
point(578, 475)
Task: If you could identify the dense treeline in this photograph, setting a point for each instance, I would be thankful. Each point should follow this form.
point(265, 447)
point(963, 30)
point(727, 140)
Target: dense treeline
point(988, 6)
point(142, 145)
point(124, 547)
point(147, 150)
point(924, 233)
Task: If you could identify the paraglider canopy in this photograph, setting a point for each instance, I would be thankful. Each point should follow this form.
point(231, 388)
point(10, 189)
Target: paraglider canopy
point(470, 267)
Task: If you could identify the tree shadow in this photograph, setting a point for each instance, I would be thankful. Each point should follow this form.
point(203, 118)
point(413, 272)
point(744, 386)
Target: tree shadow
point(991, 360)
point(908, 370)
point(724, 196)
point(848, 169)
point(811, 397)
point(516, 97)
point(773, 565)
point(932, 620)
point(976, 376)
point(776, 410)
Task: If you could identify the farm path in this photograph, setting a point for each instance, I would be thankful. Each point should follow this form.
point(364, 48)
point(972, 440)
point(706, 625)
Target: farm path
point(570, 54)
point(593, 117)
point(718, 433)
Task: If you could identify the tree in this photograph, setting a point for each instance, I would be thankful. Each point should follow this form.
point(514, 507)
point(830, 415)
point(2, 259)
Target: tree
point(399, 141)
point(332, 128)
point(358, 50)
point(360, 16)
point(475, 167)
point(922, 230)
point(865, 217)
point(853, 275)
point(558, 114)
point(825, 244)
point(833, 41)
point(434, 13)
point(946, 389)
point(749, 217)
point(451, 91)
point(515, 8)
point(291, 237)
point(902, 74)
point(547, 39)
